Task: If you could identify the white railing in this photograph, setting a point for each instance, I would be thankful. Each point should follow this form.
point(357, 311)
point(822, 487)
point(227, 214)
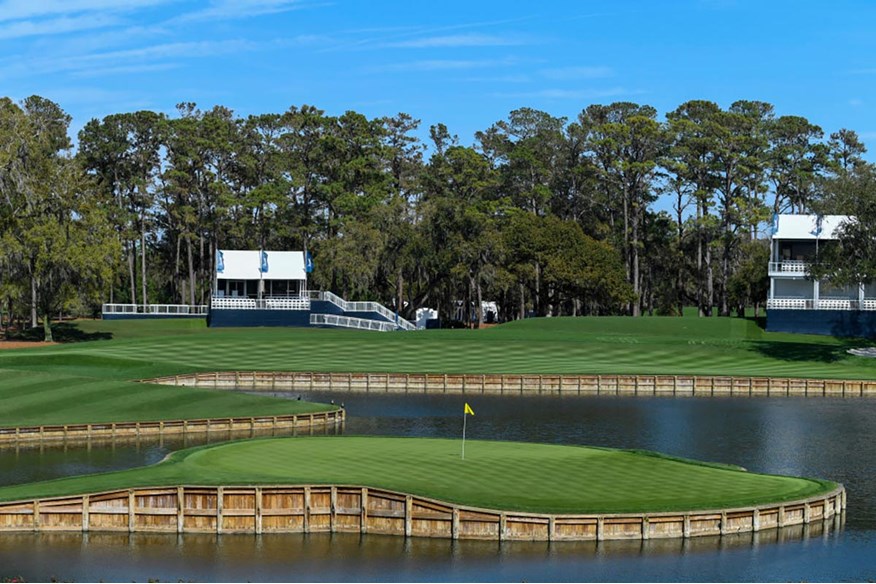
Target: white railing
point(837, 304)
point(292, 303)
point(790, 303)
point(350, 322)
point(821, 304)
point(369, 306)
point(796, 267)
point(156, 309)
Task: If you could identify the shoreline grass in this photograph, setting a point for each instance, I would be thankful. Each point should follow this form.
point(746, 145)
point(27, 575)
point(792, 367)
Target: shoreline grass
point(92, 380)
point(496, 475)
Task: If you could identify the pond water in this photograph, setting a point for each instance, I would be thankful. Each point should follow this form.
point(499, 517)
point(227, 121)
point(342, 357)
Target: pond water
point(828, 438)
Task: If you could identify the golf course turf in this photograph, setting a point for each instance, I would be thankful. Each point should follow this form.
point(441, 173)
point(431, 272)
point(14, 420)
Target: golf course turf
point(92, 381)
point(495, 475)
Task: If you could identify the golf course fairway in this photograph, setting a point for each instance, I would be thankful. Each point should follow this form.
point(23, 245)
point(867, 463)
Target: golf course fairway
point(536, 478)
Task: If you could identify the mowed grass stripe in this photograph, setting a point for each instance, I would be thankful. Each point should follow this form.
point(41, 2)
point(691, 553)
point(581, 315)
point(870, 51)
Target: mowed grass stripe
point(498, 475)
point(609, 345)
point(33, 398)
point(90, 381)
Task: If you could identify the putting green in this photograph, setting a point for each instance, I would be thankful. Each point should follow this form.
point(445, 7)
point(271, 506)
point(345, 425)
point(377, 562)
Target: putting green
point(497, 475)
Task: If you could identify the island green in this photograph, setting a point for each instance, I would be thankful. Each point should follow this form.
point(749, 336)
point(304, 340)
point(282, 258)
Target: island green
point(496, 475)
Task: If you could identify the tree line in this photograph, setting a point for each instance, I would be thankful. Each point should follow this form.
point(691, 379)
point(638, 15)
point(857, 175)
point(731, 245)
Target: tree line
point(542, 214)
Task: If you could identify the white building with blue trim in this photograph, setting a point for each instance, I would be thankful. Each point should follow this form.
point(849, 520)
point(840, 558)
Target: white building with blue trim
point(269, 288)
point(799, 303)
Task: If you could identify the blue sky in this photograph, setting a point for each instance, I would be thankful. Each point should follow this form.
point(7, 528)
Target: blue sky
point(466, 64)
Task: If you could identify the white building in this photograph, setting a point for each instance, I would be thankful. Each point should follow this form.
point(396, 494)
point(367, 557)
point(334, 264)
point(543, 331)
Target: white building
point(260, 275)
point(799, 303)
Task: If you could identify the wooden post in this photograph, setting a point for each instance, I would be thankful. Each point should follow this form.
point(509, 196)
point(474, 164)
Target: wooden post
point(306, 509)
point(36, 515)
point(503, 526)
point(454, 525)
point(180, 510)
point(723, 522)
point(363, 512)
point(686, 527)
point(552, 525)
point(131, 518)
point(85, 506)
point(409, 520)
point(220, 495)
point(600, 528)
point(807, 512)
point(780, 519)
point(646, 527)
point(258, 510)
point(333, 510)
point(755, 520)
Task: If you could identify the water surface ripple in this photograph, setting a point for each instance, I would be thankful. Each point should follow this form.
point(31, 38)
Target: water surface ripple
point(828, 438)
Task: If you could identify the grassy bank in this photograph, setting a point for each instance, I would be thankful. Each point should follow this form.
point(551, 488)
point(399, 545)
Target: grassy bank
point(499, 475)
point(609, 345)
point(91, 380)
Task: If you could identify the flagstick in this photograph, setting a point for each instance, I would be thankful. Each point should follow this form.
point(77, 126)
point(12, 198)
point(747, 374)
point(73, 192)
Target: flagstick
point(463, 435)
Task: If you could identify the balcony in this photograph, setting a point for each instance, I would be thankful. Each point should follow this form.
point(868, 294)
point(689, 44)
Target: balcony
point(275, 303)
point(789, 268)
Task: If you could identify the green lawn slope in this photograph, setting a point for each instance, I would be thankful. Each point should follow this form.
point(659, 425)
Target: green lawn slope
point(606, 345)
point(498, 475)
point(91, 380)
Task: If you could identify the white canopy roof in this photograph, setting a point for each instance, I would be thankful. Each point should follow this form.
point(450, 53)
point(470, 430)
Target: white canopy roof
point(246, 265)
point(805, 226)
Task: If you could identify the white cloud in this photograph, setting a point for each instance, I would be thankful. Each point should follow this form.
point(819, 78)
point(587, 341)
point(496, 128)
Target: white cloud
point(569, 73)
point(232, 9)
point(154, 54)
point(457, 40)
point(571, 93)
point(856, 102)
point(123, 70)
point(22, 9)
point(26, 28)
point(443, 65)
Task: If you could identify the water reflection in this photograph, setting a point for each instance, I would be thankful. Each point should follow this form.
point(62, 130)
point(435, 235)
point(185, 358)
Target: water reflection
point(828, 438)
point(25, 463)
point(346, 557)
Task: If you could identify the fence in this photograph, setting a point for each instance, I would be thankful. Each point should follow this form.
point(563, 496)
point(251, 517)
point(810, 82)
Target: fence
point(114, 430)
point(364, 324)
point(323, 508)
point(512, 384)
point(155, 309)
point(375, 307)
point(291, 303)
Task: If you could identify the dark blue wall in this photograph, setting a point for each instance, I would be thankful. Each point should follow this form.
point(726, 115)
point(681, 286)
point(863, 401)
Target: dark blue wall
point(837, 323)
point(323, 307)
point(258, 318)
point(148, 316)
point(370, 316)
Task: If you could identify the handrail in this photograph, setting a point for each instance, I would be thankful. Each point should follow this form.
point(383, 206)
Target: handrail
point(197, 309)
point(363, 306)
point(351, 322)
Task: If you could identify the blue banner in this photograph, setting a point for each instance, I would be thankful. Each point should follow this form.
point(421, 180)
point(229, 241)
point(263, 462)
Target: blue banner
point(220, 262)
point(817, 231)
point(308, 262)
point(264, 268)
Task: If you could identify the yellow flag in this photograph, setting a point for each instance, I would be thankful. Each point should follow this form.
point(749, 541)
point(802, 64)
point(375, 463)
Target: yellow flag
point(468, 410)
